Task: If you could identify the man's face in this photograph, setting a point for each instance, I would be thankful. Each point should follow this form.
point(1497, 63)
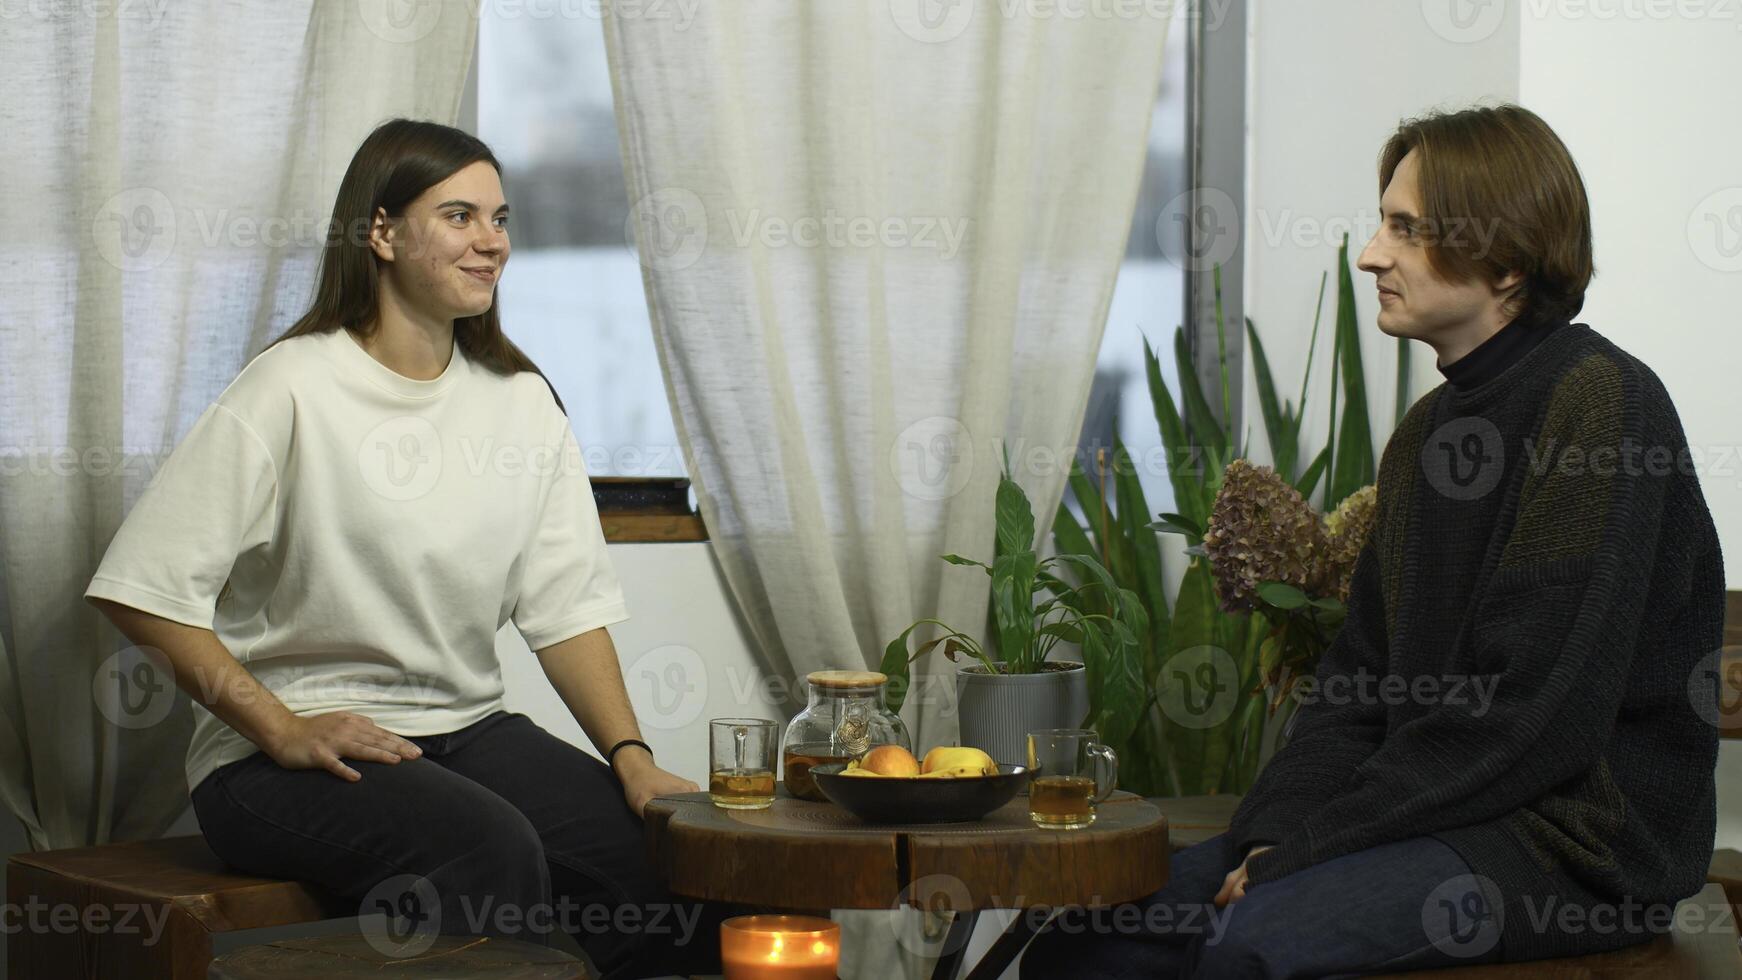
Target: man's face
point(1414, 301)
point(448, 249)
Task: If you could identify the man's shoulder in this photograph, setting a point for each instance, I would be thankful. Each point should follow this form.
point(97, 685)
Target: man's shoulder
point(1600, 380)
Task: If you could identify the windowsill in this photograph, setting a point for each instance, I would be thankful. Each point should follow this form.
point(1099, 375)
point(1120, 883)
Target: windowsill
point(628, 527)
point(646, 510)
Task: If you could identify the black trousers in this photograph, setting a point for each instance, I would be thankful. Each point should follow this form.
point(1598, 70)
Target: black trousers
point(498, 829)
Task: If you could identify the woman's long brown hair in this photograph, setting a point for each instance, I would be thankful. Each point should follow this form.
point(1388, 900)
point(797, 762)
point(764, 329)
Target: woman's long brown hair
point(400, 160)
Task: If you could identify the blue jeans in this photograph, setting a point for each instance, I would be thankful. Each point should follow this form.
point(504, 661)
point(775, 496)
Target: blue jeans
point(499, 812)
point(1389, 908)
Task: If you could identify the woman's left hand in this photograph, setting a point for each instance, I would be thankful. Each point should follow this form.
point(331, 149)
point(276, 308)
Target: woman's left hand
point(642, 781)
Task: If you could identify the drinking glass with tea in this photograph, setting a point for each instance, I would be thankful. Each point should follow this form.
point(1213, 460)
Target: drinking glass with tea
point(741, 753)
point(1072, 772)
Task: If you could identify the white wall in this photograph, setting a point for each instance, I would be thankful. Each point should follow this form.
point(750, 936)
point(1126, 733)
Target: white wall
point(685, 654)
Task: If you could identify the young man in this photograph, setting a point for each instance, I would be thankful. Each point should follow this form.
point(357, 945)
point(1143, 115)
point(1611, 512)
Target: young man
point(1542, 584)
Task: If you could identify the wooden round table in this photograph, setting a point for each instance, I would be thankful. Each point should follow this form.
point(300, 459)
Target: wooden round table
point(809, 856)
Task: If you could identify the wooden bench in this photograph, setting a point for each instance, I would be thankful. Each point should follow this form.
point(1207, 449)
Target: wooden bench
point(142, 909)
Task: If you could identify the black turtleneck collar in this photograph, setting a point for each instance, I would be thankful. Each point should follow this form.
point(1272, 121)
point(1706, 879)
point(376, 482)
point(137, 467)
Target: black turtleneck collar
point(1500, 351)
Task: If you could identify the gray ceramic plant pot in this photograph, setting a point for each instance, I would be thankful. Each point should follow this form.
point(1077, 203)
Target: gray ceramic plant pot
point(997, 711)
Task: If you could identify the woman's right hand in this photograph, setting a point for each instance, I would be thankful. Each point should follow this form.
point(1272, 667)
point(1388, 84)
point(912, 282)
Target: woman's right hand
point(318, 742)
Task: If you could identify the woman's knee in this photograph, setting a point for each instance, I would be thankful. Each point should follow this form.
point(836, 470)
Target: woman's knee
point(495, 843)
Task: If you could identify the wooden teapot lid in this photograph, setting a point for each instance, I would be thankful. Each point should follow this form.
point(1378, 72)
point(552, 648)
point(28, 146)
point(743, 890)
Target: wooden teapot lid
point(846, 679)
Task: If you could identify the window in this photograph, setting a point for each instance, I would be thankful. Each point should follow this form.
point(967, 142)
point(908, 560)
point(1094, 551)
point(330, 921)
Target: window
point(1149, 295)
point(576, 304)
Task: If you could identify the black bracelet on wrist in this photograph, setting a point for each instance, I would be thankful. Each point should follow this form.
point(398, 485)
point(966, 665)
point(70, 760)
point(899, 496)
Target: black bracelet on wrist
point(612, 755)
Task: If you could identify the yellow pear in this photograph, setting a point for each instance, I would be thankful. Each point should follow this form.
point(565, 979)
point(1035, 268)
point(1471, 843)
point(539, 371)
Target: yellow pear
point(959, 760)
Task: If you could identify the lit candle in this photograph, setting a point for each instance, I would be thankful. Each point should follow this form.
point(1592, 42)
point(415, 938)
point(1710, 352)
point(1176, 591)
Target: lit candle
point(780, 947)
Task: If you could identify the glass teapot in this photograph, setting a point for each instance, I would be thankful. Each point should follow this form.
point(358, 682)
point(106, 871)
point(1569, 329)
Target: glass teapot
point(844, 719)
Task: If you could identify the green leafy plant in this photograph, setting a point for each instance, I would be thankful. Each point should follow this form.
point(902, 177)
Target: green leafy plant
point(1034, 609)
point(1169, 752)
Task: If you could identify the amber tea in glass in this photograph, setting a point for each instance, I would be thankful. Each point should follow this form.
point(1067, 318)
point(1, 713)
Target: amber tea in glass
point(1067, 783)
point(741, 754)
point(746, 789)
point(798, 762)
point(1064, 801)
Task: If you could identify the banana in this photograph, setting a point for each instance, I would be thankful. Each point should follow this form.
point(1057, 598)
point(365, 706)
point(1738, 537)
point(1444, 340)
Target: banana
point(959, 772)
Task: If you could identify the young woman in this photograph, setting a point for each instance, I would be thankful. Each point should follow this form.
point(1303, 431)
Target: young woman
point(326, 559)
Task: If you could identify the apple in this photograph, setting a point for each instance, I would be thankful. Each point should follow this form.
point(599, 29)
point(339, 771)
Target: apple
point(890, 760)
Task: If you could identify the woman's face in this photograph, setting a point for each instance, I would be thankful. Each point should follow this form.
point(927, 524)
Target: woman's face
point(445, 255)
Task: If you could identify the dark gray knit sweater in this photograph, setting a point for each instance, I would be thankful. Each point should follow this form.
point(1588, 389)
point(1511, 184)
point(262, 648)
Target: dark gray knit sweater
point(1541, 536)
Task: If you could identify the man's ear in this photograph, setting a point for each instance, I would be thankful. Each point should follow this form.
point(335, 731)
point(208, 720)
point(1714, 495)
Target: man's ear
point(1510, 288)
point(379, 241)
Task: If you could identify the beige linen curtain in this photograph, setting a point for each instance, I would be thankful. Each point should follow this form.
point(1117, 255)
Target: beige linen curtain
point(170, 168)
point(878, 241)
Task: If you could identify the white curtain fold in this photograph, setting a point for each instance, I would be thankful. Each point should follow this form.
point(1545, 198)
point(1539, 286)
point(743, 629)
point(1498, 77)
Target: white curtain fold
point(878, 241)
point(173, 166)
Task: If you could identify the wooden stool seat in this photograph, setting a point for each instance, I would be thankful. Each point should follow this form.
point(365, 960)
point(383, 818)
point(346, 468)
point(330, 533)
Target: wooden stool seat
point(152, 908)
point(348, 956)
point(1726, 870)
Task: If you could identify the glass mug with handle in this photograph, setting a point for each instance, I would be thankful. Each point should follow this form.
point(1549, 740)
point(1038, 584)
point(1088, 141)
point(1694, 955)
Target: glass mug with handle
point(741, 754)
point(1068, 766)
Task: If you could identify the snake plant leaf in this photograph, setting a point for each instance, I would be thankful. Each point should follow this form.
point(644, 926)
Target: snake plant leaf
point(1352, 463)
point(1284, 440)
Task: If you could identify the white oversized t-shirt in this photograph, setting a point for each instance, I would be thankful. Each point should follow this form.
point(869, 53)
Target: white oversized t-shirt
point(376, 531)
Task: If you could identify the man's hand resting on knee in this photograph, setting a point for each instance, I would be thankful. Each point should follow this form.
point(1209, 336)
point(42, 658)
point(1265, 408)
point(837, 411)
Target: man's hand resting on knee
point(1234, 885)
